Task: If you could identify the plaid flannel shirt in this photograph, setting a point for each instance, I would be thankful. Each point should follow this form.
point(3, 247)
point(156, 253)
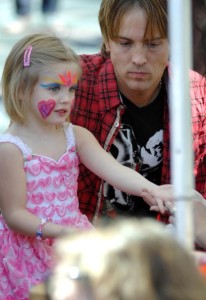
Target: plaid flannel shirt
point(98, 108)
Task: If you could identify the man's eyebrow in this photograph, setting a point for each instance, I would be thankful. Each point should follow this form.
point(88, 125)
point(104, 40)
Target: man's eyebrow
point(146, 39)
point(123, 37)
point(153, 39)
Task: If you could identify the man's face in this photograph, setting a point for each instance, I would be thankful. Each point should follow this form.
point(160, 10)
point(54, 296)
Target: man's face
point(138, 62)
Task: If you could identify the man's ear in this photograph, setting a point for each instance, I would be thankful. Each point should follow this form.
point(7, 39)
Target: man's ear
point(107, 46)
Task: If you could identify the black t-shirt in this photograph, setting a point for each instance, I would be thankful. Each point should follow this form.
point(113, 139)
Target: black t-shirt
point(138, 145)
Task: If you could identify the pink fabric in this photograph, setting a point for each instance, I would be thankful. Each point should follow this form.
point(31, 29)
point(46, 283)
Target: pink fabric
point(51, 193)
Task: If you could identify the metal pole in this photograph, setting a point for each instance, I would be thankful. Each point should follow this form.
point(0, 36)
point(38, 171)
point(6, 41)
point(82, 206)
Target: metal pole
point(180, 116)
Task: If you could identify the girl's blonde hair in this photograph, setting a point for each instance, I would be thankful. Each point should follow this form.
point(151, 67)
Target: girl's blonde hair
point(129, 259)
point(18, 81)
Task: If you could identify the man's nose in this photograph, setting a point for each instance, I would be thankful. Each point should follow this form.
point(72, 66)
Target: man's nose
point(139, 55)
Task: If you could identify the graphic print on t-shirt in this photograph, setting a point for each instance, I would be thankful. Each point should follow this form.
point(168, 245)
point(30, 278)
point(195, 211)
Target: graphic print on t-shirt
point(127, 152)
point(138, 145)
point(145, 159)
point(151, 153)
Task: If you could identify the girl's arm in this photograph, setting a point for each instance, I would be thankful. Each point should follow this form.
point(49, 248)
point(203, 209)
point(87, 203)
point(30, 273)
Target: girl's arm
point(13, 195)
point(95, 158)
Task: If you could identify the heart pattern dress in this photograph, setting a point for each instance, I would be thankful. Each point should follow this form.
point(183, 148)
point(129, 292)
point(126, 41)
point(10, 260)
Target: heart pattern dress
point(51, 193)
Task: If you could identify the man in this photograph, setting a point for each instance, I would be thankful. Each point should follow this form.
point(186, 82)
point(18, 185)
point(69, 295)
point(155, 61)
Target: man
point(199, 35)
point(122, 98)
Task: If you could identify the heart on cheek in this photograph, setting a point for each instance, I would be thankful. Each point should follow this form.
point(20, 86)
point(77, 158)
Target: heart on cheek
point(45, 107)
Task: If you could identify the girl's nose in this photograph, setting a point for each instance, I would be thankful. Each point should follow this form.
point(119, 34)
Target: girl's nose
point(66, 97)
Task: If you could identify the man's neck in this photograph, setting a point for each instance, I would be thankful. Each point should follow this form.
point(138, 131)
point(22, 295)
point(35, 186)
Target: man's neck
point(142, 99)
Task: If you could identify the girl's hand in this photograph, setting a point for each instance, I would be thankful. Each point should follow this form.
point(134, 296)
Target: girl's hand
point(155, 204)
point(159, 197)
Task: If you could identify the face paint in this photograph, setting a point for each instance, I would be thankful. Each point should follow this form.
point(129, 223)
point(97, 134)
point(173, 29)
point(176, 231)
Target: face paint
point(50, 85)
point(45, 107)
point(67, 79)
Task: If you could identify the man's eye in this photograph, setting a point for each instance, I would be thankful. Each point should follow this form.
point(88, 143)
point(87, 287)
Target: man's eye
point(152, 44)
point(124, 44)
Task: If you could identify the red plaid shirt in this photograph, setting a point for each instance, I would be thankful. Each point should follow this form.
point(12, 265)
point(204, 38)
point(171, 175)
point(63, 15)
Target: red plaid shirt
point(99, 109)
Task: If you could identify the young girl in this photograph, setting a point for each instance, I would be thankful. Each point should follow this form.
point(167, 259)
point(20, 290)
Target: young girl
point(39, 157)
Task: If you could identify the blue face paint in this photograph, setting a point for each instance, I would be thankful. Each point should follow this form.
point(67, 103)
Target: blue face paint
point(50, 85)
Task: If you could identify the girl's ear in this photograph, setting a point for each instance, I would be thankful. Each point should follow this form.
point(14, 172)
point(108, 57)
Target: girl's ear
point(21, 93)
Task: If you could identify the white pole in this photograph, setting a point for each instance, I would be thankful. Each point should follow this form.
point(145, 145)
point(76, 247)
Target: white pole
point(180, 116)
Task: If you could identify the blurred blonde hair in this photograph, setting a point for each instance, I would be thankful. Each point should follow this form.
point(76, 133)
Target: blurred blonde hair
point(18, 81)
point(127, 260)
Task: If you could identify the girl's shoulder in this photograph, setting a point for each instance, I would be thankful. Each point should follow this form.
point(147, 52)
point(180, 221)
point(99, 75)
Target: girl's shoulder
point(10, 143)
point(83, 136)
point(79, 131)
point(74, 133)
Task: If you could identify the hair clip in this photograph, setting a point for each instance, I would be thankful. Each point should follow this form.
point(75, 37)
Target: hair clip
point(27, 55)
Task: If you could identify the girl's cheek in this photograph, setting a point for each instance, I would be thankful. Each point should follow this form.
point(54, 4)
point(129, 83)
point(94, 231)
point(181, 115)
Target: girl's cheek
point(72, 105)
point(46, 107)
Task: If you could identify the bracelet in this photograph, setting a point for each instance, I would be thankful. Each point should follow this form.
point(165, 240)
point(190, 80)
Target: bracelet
point(40, 228)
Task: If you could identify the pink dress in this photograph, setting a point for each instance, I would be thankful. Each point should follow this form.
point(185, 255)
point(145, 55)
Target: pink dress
point(51, 193)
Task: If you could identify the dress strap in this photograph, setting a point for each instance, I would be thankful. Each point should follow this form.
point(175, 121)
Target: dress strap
point(70, 137)
point(8, 138)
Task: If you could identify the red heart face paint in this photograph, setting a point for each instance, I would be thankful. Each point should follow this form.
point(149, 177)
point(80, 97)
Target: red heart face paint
point(45, 107)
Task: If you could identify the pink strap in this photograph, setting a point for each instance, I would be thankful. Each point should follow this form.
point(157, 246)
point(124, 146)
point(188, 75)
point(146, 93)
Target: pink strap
point(27, 55)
